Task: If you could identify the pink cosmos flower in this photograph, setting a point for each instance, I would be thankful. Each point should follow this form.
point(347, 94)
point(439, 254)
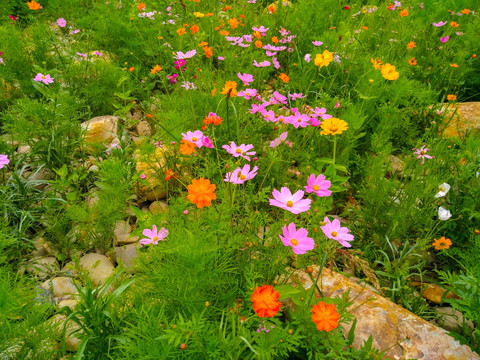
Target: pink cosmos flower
point(317, 43)
point(46, 79)
point(189, 54)
point(111, 147)
point(321, 112)
point(444, 39)
point(4, 161)
point(240, 175)
point(439, 24)
point(98, 53)
point(258, 108)
point(275, 62)
point(247, 93)
point(153, 236)
point(307, 58)
point(82, 54)
point(260, 29)
point(296, 96)
point(73, 32)
point(299, 119)
point(422, 153)
point(270, 53)
point(61, 22)
point(279, 140)
point(297, 239)
point(268, 115)
point(241, 150)
point(318, 185)
point(2, 62)
point(279, 97)
point(333, 230)
point(292, 202)
point(248, 38)
point(262, 64)
point(195, 137)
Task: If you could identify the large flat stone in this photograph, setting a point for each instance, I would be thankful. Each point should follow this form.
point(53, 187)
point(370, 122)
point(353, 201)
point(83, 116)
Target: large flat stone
point(460, 117)
point(404, 334)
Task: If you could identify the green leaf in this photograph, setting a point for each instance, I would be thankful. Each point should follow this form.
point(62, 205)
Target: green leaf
point(287, 291)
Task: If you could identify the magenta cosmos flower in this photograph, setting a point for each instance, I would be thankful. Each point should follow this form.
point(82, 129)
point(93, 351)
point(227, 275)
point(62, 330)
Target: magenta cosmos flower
point(318, 185)
point(444, 39)
point(153, 236)
point(61, 22)
point(195, 137)
point(422, 153)
point(4, 161)
point(240, 175)
point(297, 239)
point(46, 79)
point(293, 203)
point(333, 230)
point(241, 150)
point(246, 78)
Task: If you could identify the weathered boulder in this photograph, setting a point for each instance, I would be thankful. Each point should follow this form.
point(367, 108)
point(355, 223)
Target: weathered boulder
point(100, 129)
point(152, 166)
point(460, 117)
point(451, 319)
point(126, 255)
point(60, 286)
point(143, 129)
point(99, 267)
point(122, 233)
point(158, 207)
point(68, 303)
point(405, 335)
point(434, 293)
point(43, 267)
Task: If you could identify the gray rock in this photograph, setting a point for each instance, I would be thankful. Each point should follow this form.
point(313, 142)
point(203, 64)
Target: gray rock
point(143, 129)
point(43, 267)
point(60, 286)
point(126, 255)
point(451, 319)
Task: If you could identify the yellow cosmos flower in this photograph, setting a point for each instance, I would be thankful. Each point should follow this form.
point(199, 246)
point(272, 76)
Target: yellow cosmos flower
point(324, 59)
point(333, 126)
point(389, 73)
point(376, 63)
point(198, 14)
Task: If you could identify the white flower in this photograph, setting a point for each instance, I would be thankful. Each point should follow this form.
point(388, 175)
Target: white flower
point(444, 189)
point(444, 214)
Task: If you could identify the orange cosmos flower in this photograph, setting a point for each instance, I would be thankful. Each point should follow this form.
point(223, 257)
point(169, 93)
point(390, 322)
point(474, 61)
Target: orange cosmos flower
point(376, 63)
point(194, 29)
point(187, 147)
point(257, 35)
point(404, 12)
point(272, 8)
point(141, 6)
point(208, 51)
point(224, 32)
point(230, 88)
point(233, 23)
point(442, 243)
point(201, 192)
point(388, 72)
point(258, 44)
point(265, 301)
point(454, 65)
point(131, 68)
point(275, 40)
point(365, 27)
point(203, 43)
point(465, 11)
point(412, 61)
point(181, 31)
point(411, 45)
point(33, 5)
point(454, 24)
point(169, 174)
point(451, 97)
point(156, 69)
point(284, 77)
point(325, 316)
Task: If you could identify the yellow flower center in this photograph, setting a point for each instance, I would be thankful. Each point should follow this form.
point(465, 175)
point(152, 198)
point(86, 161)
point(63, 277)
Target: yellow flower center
point(316, 187)
point(43, 77)
point(194, 139)
point(334, 233)
point(289, 203)
point(334, 129)
point(294, 242)
point(422, 152)
point(238, 151)
point(242, 177)
point(442, 189)
point(155, 238)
